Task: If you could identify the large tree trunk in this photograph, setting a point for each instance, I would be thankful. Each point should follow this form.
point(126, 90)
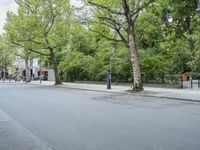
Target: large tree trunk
point(55, 67)
point(27, 70)
point(137, 82)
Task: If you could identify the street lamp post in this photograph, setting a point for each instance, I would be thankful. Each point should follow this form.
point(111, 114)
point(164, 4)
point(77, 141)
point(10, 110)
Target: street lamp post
point(109, 74)
point(109, 79)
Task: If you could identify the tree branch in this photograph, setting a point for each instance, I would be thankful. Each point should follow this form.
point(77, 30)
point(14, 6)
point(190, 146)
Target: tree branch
point(37, 52)
point(17, 44)
point(50, 23)
point(105, 8)
point(145, 4)
point(122, 37)
point(101, 23)
point(111, 39)
point(113, 21)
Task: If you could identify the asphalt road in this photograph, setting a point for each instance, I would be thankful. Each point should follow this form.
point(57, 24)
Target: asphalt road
point(67, 119)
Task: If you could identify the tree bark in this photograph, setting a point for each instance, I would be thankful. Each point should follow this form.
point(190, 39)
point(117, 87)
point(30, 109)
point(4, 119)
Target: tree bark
point(55, 67)
point(137, 82)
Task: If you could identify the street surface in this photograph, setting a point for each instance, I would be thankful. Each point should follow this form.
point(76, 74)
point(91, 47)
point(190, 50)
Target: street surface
point(70, 119)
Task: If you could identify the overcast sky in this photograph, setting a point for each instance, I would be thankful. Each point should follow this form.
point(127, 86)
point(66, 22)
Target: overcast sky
point(10, 5)
point(6, 5)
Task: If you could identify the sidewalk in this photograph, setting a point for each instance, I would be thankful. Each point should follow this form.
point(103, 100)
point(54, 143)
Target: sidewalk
point(178, 94)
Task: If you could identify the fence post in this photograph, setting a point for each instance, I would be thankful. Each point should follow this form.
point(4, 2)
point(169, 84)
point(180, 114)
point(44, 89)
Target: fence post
point(198, 82)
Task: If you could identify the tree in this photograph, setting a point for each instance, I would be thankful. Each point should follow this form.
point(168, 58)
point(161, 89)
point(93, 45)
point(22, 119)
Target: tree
point(163, 30)
point(119, 17)
point(183, 13)
point(18, 32)
point(6, 54)
point(47, 23)
point(77, 66)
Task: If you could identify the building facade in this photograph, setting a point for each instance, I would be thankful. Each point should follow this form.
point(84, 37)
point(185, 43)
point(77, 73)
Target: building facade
point(34, 68)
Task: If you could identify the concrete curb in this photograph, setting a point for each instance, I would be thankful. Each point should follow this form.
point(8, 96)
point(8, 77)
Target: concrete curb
point(172, 98)
point(119, 92)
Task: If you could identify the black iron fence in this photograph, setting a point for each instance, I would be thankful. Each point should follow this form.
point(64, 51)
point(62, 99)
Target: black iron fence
point(173, 81)
point(162, 81)
point(193, 81)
